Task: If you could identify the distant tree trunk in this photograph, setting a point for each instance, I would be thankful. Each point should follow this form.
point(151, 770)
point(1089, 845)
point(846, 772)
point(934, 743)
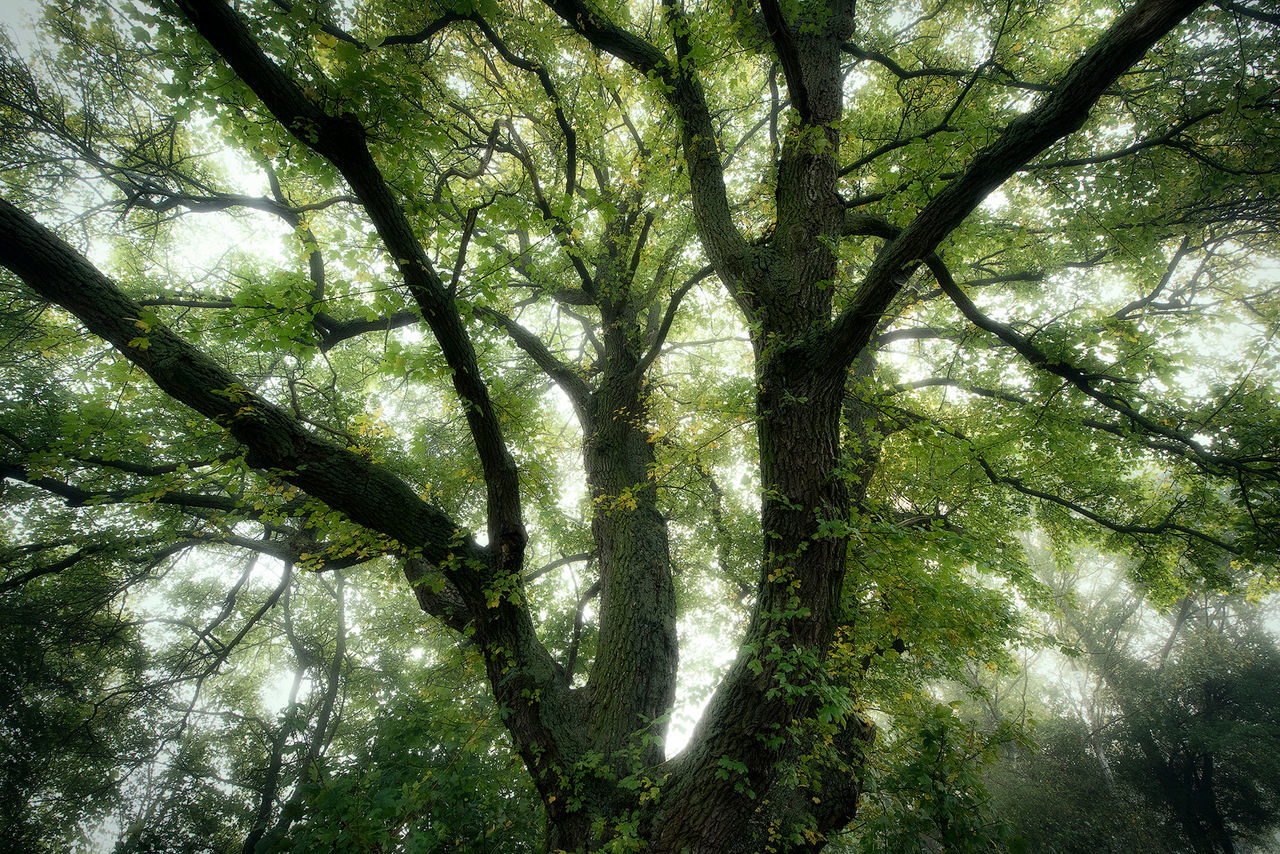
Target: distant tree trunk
point(271, 777)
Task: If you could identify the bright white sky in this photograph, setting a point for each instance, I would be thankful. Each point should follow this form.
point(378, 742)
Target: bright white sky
point(16, 16)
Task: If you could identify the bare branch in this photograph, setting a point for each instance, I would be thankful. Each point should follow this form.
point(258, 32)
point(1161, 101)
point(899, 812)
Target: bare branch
point(660, 334)
point(563, 374)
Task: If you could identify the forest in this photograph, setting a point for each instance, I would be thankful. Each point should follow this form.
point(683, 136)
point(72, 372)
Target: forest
point(707, 426)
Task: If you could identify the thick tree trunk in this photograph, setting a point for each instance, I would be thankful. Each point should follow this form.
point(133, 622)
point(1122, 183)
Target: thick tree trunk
point(637, 597)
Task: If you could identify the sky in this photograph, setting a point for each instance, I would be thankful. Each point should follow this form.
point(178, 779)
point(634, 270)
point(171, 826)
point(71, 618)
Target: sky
point(16, 17)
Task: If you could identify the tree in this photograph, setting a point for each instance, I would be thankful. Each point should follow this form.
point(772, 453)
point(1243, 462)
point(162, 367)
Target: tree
point(1051, 213)
point(1160, 733)
point(1193, 724)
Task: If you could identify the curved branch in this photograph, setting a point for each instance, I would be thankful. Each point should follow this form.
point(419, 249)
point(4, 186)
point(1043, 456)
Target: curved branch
point(1165, 138)
point(681, 86)
point(333, 331)
point(1179, 443)
point(1087, 382)
point(1062, 112)
point(876, 153)
point(76, 496)
point(56, 567)
point(417, 37)
point(1117, 430)
point(562, 373)
point(564, 560)
point(655, 347)
point(1110, 524)
point(342, 140)
point(562, 230)
point(897, 70)
point(544, 79)
point(1127, 528)
point(161, 200)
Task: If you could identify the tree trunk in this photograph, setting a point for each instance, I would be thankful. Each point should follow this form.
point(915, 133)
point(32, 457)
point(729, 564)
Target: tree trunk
point(637, 597)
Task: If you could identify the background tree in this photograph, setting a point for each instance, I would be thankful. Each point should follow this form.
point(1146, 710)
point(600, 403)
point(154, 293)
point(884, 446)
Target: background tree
point(829, 297)
point(1161, 728)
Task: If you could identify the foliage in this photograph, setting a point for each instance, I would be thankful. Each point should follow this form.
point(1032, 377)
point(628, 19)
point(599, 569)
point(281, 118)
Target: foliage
point(1160, 735)
point(62, 750)
point(926, 793)
point(419, 787)
point(1058, 799)
point(604, 335)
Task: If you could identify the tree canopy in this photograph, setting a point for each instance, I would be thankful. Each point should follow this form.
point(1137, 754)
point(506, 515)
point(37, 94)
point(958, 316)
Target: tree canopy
point(391, 386)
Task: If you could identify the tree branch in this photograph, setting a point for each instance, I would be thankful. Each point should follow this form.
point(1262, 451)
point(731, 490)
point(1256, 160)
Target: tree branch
point(728, 249)
point(553, 95)
point(1249, 12)
point(562, 373)
point(1087, 383)
point(1129, 529)
point(784, 44)
point(523, 674)
point(342, 140)
point(1133, 529)
point(660, 334)
point(1062, 112)
point(1180, 443)
point(76, 496)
